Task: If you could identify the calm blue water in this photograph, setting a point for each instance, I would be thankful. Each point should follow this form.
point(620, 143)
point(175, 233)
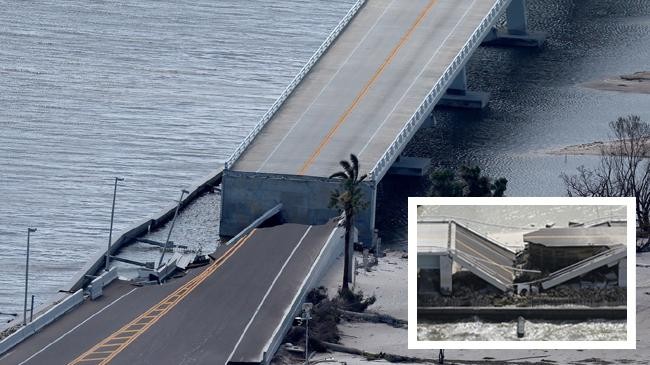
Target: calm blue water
point(160, 92)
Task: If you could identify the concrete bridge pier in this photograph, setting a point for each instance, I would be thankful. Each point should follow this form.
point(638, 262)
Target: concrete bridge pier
point(410, 166)
point(457, 95)
point(516, 33)
point(622, 273)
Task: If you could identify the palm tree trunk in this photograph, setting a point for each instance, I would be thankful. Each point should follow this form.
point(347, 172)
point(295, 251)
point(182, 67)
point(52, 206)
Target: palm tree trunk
point(346, 264)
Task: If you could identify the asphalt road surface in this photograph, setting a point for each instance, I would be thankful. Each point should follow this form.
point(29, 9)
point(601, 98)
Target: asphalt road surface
point(225, 310)
point(487, 256)
point(364, 89)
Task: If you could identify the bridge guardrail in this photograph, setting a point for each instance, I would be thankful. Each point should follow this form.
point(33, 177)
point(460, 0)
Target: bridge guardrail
point(294, 83)
point(426, 107)
point(330, 251)
point(41, 321)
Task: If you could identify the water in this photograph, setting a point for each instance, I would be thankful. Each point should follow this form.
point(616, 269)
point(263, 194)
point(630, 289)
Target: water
point(536, 103)
point(160, 92)
point(477, 330)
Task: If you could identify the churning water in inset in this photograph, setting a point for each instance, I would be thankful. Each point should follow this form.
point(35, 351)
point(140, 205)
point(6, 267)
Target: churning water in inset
point(477, 330)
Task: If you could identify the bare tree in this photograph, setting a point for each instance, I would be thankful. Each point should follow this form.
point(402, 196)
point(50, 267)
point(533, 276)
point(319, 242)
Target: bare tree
point(623, 170)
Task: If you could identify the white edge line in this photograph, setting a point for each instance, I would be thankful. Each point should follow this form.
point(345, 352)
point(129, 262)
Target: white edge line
point(268, 291)
point(77, 326)
point(417, 78)
point(326, 85)
point(304, 281)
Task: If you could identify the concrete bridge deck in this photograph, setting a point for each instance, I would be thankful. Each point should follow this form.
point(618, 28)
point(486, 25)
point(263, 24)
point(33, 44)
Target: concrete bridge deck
point(225, 311)
point(365, 88)
point(366, 91)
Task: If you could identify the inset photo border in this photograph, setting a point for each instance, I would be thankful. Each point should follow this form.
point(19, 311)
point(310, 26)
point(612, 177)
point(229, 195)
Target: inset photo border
point(521, 273)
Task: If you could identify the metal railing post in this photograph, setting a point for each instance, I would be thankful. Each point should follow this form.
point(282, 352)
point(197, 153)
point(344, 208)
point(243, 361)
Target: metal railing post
point(180, 201)
point(29, 231)
point(110, 231)
point(31, 311)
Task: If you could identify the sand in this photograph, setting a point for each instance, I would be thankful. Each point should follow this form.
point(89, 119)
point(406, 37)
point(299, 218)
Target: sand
point(593, 148)
point(388, 282)
point(638, 82)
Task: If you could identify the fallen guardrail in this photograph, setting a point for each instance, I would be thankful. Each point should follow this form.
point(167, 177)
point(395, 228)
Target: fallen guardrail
point(130, 234)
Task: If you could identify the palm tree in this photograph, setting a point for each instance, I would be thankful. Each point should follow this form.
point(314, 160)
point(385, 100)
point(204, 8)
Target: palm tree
point(350, 200)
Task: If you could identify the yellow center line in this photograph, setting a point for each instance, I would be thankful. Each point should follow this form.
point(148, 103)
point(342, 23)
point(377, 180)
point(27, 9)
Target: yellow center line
point(168, 302)
point(366, 87)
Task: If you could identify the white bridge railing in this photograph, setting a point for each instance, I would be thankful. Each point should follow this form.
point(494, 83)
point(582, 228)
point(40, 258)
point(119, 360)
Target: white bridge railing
point(296, 80)
point(426, 107)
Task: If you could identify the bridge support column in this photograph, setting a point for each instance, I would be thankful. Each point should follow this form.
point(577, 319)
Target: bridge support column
point(457, 95)
point(430, 122)
point(445, 274)
point(516, 33)
point(622, 273)
point(410, 166)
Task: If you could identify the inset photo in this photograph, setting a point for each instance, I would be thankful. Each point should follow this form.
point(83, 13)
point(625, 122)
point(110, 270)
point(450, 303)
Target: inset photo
point(527, 273)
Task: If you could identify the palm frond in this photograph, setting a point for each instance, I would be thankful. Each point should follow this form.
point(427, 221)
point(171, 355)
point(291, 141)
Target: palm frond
point(340, 174)
point(348, 168)
point(355, 166)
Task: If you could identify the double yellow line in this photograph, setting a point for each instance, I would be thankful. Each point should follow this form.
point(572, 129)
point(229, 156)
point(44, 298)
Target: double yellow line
point(366, 87)
point(104, 351)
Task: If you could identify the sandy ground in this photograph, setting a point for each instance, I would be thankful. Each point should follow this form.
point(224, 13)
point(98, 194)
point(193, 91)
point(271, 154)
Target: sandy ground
point(388, 281)
point(638, 82)
point(592, 148)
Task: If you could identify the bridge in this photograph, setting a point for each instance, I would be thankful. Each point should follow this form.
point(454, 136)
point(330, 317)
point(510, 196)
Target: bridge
point(476, 252)
point(234, 310)
point(367, 90)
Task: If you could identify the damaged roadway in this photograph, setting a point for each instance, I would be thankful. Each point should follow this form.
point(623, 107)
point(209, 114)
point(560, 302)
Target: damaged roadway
point(206, 325)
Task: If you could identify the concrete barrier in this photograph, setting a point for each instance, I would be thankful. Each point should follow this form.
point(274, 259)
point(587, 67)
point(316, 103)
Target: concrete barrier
point(332, 249)
point(41, 321)
point(128, 235)
point(305, 199)
point(96, 287)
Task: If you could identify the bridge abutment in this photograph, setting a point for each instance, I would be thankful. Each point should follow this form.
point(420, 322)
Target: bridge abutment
point(305, 199)
point(516, 33)
point(458, 96)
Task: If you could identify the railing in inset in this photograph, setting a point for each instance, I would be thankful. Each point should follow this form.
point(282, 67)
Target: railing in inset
point(425, 108)
point(296, 80)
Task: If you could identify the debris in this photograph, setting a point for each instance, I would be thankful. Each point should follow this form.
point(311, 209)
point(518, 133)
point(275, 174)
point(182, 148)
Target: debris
point(374, 317)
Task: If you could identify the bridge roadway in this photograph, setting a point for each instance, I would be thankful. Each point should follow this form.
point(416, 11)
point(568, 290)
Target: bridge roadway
point(228, 309)
point(364, 89)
